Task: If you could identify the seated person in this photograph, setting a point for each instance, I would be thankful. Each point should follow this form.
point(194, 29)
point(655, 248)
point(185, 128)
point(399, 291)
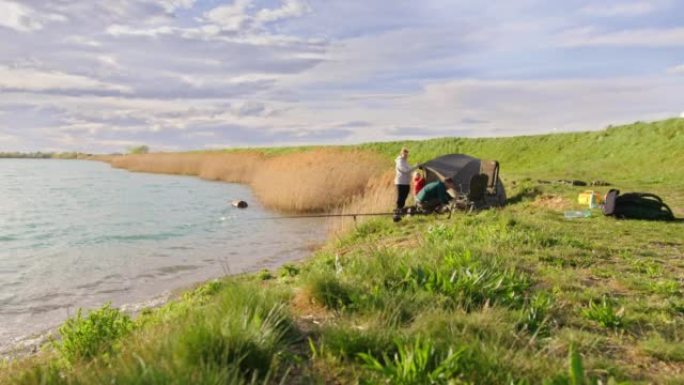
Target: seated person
point(434, 195)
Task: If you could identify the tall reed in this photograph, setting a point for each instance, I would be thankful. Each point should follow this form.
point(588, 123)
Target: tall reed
point(318, 180)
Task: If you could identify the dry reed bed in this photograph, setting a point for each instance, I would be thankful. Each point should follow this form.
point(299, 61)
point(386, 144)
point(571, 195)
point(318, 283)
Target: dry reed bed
point(379, 196)
point(319, 180)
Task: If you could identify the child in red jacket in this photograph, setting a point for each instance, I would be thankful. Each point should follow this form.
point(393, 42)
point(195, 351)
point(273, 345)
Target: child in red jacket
point(418, 182)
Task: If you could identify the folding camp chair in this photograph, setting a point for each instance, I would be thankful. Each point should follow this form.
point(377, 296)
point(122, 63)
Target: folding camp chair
point(490, 168)
point(474, 198)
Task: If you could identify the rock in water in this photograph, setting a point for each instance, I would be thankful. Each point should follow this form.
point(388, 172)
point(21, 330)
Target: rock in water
point(240, 204)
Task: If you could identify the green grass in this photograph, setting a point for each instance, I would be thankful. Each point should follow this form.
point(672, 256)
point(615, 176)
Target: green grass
point(607, 154)
point(518, 296)
point(417, 363)
point(604, 313)
point(84, 337)
point(645, 156)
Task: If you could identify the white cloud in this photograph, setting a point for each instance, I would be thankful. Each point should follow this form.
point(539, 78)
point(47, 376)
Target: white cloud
point(82, 41)
point(202, 80)
point(171, 72)
point(502, 107)
point(18, 17)
point(23, 18)
point(537, 105)
point(109, 61)
point(172, 5)
point(124, 30)
point(230, 17)
point(237, 16)
point(677, 70)
point(290, 9)
point(621, 9)
point(386, 54)
point(651, 37)
point(6, 139)
point(27, 79)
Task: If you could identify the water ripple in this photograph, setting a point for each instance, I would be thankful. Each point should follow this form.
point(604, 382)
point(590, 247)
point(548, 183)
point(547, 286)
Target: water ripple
point(80, 234)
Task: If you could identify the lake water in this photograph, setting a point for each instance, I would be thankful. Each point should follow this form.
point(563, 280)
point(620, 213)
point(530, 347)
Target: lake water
point(80, 233)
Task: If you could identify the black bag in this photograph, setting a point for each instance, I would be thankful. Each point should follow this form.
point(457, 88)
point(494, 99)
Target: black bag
point(636, 206)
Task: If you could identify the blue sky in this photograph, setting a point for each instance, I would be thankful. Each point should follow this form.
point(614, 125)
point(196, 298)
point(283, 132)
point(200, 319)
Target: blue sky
point(195, 74)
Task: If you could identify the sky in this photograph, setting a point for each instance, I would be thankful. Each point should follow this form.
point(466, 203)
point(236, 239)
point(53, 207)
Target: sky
point(103, 76)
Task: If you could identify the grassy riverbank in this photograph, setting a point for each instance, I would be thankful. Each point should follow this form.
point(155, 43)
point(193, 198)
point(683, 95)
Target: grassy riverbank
point(513, 296)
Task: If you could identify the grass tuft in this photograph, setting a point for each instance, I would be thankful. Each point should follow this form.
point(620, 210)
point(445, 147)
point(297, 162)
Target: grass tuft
point(327, 290)
point(416, 363)
point(535, 319)
point(84, 337)
point(604, 313)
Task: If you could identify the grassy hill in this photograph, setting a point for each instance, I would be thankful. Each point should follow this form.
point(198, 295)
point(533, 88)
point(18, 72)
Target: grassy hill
point(518, 296)
point(639, 156)
point(643, 156)
point(616, 153)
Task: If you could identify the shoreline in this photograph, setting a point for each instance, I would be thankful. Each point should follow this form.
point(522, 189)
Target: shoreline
point(29, 345)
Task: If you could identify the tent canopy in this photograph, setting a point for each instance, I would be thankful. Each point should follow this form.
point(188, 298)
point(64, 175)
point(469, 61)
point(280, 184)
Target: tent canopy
point(460, 168)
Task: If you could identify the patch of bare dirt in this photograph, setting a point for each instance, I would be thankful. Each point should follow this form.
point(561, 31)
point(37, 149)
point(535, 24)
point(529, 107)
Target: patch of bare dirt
point(307, 312)
point(552, 202)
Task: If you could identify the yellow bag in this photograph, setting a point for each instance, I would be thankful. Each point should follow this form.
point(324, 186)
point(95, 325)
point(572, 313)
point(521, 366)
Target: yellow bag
point(590, 198)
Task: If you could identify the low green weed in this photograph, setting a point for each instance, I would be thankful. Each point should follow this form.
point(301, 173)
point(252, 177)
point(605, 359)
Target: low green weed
point(604, 313)
point(50, 374)
point(204, 292)
point(576, 374)
point(440, 233)
point(535, 314)
point(264, 275)
point(243, 329)
point(667, 287)
point(522, 191)
point(470, 287)
point(329, 291)
point(84, 337)
point(676, 306)
point(416, 364)
point(289, 270)
point(647, 266)
point(367, 230)
point(659, 347)
point(347, 341)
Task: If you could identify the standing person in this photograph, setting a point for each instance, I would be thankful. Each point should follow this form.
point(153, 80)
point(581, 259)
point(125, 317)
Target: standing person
point(402, 178)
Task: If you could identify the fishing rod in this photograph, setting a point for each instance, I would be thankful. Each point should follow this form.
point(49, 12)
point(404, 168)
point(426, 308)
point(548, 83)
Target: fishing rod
point(396, 216)
point(332, 216)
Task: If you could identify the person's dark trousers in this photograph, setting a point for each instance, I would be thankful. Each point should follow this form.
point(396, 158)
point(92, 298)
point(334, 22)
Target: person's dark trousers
point(402, 193)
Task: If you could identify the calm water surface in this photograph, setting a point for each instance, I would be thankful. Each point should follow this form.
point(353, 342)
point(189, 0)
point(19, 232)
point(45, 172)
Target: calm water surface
point(79, 233)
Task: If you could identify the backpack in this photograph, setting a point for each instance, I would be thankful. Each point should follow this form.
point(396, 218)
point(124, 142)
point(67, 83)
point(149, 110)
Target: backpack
point(636, 206)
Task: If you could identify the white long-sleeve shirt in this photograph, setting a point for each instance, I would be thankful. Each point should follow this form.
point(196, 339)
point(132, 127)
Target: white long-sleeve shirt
point(403, 171)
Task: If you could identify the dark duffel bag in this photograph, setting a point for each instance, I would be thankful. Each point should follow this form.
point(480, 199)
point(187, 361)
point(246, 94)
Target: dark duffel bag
point(636, 206)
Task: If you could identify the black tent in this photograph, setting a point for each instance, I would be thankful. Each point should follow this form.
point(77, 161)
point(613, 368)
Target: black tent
point(461, 169)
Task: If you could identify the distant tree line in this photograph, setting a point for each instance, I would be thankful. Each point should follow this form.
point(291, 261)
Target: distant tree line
point(139, 149)
point(43, 155)
point(142, 149)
